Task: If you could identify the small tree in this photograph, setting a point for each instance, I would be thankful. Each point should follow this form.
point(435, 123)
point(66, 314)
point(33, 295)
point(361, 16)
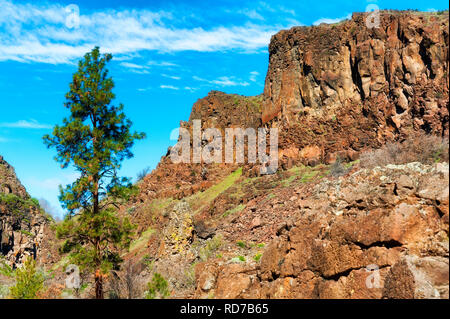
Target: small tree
point(95, 138)
point(157, 288)
point(29, 282)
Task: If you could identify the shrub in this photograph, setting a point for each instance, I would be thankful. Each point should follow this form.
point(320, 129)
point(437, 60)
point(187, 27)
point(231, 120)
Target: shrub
point(423, 148)
point(125, 284)
point(18, 206)
point(157, 288)
point(190, 275)
point(5, 269)
point(29, 282)
point(257, 257)
point(241, 244)
point(212, 245)
point(337, 168)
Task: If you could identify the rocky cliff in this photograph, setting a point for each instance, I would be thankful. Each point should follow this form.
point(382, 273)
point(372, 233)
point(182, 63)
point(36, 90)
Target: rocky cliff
point(22, 223)
point(346, 87)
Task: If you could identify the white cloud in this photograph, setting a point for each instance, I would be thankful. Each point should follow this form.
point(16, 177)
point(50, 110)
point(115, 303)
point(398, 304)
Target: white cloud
point(223, 81)
point(191, 89)
point(286, 10)
point(135, 68)
point(173, 77)
point(162, 63)
point(170, 87)
point(253, 76)
point(38, 33)
point(132, 65)
point(331, 21)
point(33, 124)
point(252, 14)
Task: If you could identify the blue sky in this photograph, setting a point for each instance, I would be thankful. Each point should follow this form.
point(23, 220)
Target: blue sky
point(167, 54)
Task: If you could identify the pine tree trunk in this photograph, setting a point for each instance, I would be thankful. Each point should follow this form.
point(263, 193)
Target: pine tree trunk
point(98, 285)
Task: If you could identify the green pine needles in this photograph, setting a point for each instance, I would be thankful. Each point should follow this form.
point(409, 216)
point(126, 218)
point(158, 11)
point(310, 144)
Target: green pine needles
point(95, 139)
point(29, 280)
point(157, 288)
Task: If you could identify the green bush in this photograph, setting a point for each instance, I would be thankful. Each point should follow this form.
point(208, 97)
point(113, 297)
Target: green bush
point(241, 244)
point(257, 257)
point(18, 206)
point(5, 269)
point(157, 288)
point(29, 282)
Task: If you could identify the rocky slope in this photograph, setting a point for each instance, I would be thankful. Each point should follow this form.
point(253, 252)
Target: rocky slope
point(334, 91)
point(313, 229)
point(22, 223)
point(374, 233)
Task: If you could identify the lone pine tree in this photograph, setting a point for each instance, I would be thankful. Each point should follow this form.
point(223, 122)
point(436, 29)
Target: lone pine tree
point(95, 138)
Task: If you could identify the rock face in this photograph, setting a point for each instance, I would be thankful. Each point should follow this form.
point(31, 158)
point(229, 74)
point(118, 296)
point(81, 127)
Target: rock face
point(9, 184)
point(347, 87)
point(22, 224)
point(378, 233)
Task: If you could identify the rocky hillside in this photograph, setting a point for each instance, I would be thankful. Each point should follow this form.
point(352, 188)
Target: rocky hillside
point(326, 238)
point(372, 229)
point(337, 220)
point(22, 222)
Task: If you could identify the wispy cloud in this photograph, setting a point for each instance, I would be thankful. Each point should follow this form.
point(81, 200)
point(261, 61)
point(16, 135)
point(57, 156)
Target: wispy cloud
point(170, 87)
point(191, 89)
point(33, 124)
point(161, 63)
point(173, 77)
point(331, 21)
point(223, 81)
point(135, 68)
point(252, 14)
point(132, 65)
point(253, 76)
point(38, 33)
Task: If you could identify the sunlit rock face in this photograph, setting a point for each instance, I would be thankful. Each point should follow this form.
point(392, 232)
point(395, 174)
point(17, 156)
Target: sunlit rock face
point(345, 86)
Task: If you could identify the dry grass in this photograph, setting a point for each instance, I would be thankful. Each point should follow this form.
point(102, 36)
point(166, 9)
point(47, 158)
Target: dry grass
point(423, 148)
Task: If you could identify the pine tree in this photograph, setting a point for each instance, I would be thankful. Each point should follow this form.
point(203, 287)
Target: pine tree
point(95, 138)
